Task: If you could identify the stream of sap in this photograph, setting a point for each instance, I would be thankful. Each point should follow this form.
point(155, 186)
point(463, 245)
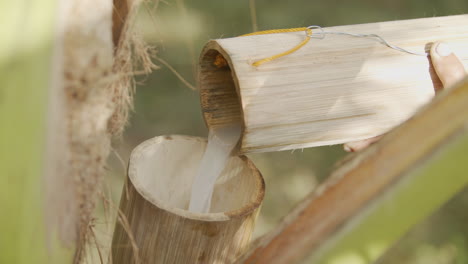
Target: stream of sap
point(221, 142)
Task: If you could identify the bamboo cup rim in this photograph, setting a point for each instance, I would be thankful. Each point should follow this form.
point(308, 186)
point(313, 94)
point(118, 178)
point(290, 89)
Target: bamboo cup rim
point(133, 176)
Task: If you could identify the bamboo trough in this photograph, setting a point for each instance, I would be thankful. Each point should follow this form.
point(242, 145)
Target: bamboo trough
point(155, 226)
point(333, 90)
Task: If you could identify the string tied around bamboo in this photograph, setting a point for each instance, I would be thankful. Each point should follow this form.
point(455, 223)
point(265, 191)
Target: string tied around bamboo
point(308, 35)
point(320, 34)
point(221, 62)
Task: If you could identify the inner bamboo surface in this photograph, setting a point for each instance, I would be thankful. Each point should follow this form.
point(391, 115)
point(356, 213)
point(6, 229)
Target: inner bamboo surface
point(219, 97)
point(162, 169)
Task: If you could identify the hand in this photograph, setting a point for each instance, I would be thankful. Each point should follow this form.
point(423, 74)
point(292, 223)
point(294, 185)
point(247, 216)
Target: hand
point(448, 68)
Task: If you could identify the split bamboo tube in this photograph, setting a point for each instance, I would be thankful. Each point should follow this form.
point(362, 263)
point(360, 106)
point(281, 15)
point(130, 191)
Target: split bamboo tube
point(155, 226)
point(330, 91)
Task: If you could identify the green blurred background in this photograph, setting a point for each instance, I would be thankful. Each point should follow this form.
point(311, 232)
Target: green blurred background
point(164, 105)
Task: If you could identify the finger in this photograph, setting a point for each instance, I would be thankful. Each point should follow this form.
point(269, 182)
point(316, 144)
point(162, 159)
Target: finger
point(359, 145)
point(447, 65)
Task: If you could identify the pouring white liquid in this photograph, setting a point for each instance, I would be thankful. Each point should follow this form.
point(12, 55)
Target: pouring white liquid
point(221, 142)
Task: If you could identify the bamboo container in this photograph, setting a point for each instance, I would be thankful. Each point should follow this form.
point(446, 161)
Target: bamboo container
point(157, 228)
point(332, 90)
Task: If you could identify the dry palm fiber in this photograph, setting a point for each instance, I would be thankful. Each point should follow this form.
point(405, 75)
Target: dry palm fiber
point(92, 96)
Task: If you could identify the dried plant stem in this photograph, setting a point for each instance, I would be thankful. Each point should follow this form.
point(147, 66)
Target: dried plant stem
point(180, 77)
point(253, 15)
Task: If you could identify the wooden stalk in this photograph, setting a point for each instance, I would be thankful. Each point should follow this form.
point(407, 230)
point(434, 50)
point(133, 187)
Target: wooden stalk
point(333, 90)
point(155, 226)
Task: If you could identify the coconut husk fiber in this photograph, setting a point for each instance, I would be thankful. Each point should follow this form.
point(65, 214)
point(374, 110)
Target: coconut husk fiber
point(91, 96)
